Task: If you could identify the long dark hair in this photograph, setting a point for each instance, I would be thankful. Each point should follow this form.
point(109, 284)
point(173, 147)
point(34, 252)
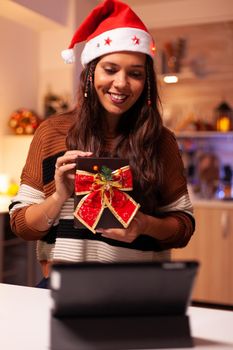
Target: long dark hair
point(139, 128)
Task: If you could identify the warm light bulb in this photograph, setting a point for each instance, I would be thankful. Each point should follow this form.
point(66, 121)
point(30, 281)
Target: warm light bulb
point(223, 124)
point(170, 79)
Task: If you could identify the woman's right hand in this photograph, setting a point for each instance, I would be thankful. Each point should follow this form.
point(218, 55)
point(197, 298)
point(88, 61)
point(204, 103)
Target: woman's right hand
point(65, 174)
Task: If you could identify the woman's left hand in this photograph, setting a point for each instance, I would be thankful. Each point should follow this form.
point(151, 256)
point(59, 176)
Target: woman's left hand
point(128, 234)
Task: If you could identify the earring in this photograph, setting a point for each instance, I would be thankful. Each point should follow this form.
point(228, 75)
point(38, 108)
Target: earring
point(148, 88)
point(89, 81)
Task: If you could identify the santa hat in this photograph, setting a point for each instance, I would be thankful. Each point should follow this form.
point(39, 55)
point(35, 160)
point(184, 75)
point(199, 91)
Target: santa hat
point(112, 26)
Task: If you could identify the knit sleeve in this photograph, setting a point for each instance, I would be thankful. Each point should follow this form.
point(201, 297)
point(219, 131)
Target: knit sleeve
point(173, 193)
point(37, 178)
point(174, 183)
point(31, 188)
point(32, 171)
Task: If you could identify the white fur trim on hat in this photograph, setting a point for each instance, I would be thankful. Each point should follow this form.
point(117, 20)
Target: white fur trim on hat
point(115, 40)
point(68, 55)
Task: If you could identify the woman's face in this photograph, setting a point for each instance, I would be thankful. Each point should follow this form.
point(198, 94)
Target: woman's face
point(119, 80)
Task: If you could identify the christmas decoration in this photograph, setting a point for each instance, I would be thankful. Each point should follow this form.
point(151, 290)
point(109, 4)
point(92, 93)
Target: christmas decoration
point(24, 121)
point(54, 104)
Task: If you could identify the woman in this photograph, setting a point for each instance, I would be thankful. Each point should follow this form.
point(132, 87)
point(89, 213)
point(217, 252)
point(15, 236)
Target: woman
point(118, 116)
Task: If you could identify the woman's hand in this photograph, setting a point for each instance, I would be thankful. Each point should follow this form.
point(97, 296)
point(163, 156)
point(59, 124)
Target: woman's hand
point(136, 227)
point(65, 174)
point(41, 216)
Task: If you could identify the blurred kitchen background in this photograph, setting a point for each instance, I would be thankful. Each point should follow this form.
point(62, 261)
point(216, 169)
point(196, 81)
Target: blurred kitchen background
point(194, 64)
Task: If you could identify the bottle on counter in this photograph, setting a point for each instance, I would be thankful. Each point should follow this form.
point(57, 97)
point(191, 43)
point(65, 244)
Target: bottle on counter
point(227, 181)
point(208, 169)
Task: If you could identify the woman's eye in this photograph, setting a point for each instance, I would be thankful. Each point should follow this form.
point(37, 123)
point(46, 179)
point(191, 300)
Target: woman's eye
point(109, 70)
point(137, 74)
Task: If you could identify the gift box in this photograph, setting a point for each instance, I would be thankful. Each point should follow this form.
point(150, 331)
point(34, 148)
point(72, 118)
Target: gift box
point(102, 193)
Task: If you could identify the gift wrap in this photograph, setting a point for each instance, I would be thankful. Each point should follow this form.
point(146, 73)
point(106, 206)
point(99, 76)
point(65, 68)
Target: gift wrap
point(102, 193)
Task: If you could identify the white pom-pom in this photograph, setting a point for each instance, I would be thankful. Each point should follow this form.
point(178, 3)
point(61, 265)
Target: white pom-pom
point(68, 55)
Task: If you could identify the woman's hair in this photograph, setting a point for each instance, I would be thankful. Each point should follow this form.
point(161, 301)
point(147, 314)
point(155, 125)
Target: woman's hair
point(139, 128)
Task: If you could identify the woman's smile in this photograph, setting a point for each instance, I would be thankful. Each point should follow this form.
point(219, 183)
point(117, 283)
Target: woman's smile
point(117, 98)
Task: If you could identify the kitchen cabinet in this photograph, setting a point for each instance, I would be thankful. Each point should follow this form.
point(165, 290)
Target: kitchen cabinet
point(212, 242)
point(18, 263)
point(212, 245)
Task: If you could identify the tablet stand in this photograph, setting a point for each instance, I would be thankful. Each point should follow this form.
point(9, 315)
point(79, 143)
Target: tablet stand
point(115, 333)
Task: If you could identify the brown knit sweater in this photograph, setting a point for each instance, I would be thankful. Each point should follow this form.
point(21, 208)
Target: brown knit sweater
point(37, 183)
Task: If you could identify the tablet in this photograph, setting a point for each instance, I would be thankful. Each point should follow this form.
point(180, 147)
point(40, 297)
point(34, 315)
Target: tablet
point(122, 289)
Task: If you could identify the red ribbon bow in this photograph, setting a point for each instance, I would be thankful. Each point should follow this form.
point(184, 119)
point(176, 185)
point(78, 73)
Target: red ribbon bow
point(101, 192)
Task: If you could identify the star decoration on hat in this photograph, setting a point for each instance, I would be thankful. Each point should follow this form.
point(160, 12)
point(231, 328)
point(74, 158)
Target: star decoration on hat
point(108, 41)
point(136, 40)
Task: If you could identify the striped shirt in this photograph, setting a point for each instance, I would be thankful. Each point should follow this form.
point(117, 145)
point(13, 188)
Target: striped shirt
point(62, 242)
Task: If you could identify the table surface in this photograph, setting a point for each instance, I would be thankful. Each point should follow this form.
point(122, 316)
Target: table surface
point(25, 321)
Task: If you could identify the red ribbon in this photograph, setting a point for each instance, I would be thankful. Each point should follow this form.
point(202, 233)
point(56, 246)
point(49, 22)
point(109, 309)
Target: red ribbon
point(101, 193)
